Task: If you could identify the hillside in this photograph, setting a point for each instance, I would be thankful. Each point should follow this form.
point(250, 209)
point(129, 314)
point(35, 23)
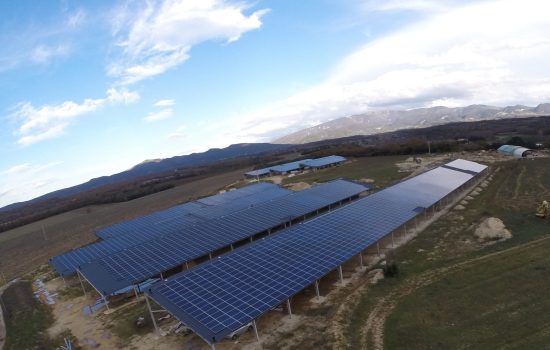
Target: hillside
point(158, 166)
point(391, 120)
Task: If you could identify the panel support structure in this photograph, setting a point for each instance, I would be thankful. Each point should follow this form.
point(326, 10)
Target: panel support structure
point(341, 274)
point(317, 290)
point(81, 283)
point(289, 309)
point(255, 330)
point(152, 315)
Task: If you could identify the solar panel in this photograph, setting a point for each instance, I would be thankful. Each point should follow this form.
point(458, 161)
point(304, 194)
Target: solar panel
point(259, 172)
point(322, 162)
point(220, 296)
point(208, 207)
point(287, 167)
point(467, 165)
point(133, 232)
point(150, 258)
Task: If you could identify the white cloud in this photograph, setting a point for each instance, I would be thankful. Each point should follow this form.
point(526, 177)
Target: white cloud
point(39, 41)
point(160, 115)
point(26, 180)
point(16, 169)
point(490, 52)
point(158, 36)
point(164, 103)
point(178, 133)
point(43, 53)
point(50, 121)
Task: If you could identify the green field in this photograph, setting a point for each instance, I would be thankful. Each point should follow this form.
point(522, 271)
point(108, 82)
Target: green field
point(456, 293)
point(380, 169)
point(499, 302)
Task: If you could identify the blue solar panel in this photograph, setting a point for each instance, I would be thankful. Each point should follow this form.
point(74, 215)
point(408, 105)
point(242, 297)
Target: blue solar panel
point(208, 207)
point(467, 165)
point(133, 232)
point(287, 167)
point(220, 296)
point(259, 172)
point(150, 258)
point(323, 162)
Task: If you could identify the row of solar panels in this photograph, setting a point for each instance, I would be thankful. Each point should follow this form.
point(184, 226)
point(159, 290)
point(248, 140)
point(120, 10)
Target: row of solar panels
point(148, 259)
point(292, 166)
point(230, 291)
point(199, 210)
point(136, 231)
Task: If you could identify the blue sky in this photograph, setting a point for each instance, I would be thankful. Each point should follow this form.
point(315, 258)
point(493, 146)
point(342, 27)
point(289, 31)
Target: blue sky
point(90, 88)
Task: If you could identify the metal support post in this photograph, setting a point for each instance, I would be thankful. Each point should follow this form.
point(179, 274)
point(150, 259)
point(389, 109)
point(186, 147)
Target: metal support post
point(361, 261)
point(255, 330)
point(289, 309)
point(81, 283)
point(151, 314)
point(136, 292)
point(378, 248)
point(251, 239)
point(106, 303)
point(210, 254)
point(317, 290)
point(341, 274)
point(392, 241)
point(186, 265)
point(161, 276)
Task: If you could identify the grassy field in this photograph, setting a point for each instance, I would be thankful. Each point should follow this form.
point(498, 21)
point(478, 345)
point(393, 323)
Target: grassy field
point(380, 169)
point(448, 295)
point(500, 302)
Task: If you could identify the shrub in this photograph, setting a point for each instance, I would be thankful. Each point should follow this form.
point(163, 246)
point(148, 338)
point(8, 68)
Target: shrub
point(391, 269)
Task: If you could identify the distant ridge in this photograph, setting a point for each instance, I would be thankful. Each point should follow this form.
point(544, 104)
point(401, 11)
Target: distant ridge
point(376, 122)
point(158, 166)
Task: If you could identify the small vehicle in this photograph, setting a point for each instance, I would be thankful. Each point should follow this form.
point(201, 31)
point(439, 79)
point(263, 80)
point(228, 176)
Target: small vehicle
point(235, 334)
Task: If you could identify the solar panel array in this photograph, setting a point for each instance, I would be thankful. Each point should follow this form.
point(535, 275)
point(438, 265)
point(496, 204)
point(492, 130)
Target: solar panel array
point(205, 208)
point(150, 258)
point(220, 296)
point(323, 162)
point(129, 233)
point(288, 167)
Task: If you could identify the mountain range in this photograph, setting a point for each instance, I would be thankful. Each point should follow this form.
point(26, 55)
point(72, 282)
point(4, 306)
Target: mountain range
point(376, 122)
point(371, 123)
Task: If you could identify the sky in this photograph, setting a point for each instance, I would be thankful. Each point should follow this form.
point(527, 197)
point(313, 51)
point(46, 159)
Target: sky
point(91, 88)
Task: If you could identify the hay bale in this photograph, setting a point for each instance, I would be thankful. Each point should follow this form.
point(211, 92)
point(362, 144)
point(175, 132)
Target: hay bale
point(492, 229)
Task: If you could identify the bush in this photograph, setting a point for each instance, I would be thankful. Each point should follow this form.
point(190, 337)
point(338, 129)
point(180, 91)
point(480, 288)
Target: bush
point(391, 269)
